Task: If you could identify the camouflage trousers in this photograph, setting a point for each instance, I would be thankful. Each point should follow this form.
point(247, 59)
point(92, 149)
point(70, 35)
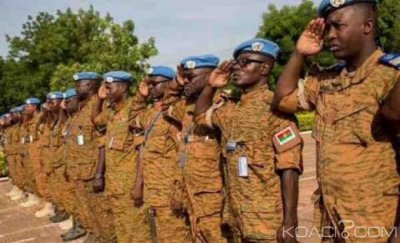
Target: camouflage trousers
point(168, 227)
point(42, 174)
point(59, 188)
point(208, 230)
point(29, 171)
point(17, 170)
point(128, 220)
point(347, 220)
point(94, 211)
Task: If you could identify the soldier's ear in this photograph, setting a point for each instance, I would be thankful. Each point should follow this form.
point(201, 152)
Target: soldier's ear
point(265, 69)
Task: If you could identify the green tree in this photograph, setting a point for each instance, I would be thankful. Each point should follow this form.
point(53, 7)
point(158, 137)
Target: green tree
point(51, 48)
point(285, 25)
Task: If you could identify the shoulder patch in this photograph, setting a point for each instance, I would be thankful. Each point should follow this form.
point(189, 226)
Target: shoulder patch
point(286, 139)
point(336, 67)
point(392, 60)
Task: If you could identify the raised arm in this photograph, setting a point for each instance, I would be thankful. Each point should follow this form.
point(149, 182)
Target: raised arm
point(310, 43)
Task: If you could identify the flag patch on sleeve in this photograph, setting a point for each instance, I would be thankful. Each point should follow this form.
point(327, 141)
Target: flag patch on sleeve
point(286, 139)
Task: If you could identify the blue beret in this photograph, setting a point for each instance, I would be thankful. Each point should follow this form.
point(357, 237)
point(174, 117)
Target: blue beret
point(32, 101)
point(70, 93)
point(18, 109)
point(86, 76)
point(327, 6)
point(258, 45)
point(55, 95)
point(163, 71)
point(118, 76)
point(204, 61)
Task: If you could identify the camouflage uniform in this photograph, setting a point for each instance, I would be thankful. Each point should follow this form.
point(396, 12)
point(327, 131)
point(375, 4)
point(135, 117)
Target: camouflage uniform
point(357, 174)
point(81, 162)
point(61, 189)
point(255, 202)
point(161, 171)
point(121, 173)
point(200, 159)
point(46, 153)
point(31, 147)
point(9, 152)
point(16, 159)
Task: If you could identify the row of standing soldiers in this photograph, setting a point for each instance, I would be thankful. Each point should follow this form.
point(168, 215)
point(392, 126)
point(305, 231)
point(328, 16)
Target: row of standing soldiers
point(184, 161)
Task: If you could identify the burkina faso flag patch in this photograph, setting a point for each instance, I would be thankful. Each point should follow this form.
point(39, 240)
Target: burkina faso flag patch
point(285, 136)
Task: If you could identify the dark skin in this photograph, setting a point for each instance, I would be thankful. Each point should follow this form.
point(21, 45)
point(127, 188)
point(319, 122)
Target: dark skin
point(118, 93)
point(86, 88)
point(154, 87)
point(71, 105)
point(249, 72)
point(350, 32)
point(195, 81)
point(53, 106)
point(98, 182)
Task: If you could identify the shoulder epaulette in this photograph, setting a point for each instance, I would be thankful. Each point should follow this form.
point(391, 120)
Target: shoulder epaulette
point(392, 60)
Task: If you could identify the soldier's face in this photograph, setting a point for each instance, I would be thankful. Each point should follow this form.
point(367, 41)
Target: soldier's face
point(158, 86)
point(72, 104)
point(84, 87)
point(247, 69)
point(197, 80)
point(117, 91)
point(345, 32)
point(30, 109)
point(53, 105)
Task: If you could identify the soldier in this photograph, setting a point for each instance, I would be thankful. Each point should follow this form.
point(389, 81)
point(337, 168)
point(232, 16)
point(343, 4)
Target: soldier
point(41, 179)
point(15, 156)
point(357, 177)
point(50, 143)
point(9, 155)
point(81, 142)
point(62, 190)
point(199, 152)
point(158, 173)
point(117, 153)
point(31, 148)
point(262, 148)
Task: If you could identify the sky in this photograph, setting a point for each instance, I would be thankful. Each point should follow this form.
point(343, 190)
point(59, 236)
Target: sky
point(181, 27)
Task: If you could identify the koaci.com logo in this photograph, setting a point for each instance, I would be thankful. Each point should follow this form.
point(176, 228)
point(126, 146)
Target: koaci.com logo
point(347, 230)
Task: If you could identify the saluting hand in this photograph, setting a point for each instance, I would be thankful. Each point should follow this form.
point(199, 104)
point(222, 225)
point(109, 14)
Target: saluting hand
point(180, 75)
point(144, 87)
point(311, 40)
point(102, 93)
point(220, 76)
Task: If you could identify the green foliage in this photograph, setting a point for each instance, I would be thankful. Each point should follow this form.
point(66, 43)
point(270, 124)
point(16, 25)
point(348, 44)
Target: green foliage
point(306, 120)
point(3, 165)
point(389, 25)
point(284, 26)
point(52, 48)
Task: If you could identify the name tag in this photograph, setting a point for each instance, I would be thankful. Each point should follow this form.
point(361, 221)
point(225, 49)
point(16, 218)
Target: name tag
point(23, 140)
point(231, 146)
point(243, 167)
point(30, 138)
point(80, 139)
point(110, 145)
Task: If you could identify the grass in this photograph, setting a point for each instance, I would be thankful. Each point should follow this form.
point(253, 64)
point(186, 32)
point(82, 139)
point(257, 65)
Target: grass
point(3, 165)
point(306, 120)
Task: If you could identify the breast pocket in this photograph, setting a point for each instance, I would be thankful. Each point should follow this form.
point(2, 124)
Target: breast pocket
point(354, 124)
point(120, 138)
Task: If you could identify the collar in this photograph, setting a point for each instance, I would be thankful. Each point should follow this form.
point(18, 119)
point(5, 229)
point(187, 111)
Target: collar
point(363, 71)
point(254, 95)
